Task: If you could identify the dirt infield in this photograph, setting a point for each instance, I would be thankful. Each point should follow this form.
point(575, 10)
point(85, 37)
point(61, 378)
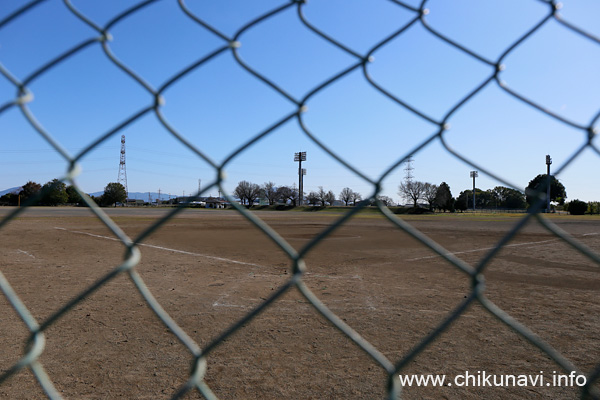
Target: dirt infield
point(209, 268)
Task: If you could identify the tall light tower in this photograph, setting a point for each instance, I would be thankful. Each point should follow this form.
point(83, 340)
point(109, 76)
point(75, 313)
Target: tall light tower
point(408, 177)
point(548, 162)
point(474, 174)
point(299, 157)
point(122, 179)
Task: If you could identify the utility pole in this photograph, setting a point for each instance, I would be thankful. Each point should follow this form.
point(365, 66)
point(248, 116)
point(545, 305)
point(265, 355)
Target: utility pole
point(548, 162)
point(474, 174)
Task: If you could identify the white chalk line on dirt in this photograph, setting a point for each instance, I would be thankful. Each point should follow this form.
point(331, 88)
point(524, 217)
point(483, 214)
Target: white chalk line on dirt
point(368, 299)
point(530, 244)
point(218, 302)
point(26, 253)
point(189, 253)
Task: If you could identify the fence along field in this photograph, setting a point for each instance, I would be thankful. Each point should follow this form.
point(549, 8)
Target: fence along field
point(65, 325)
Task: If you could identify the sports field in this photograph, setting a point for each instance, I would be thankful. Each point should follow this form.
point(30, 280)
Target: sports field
point(209, 268)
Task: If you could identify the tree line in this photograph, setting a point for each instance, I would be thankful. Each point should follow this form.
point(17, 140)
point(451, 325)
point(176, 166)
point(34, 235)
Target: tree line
point(423, 194)
point(433, 197)
point(56, 193)
point(249, 193)
point(440, 197)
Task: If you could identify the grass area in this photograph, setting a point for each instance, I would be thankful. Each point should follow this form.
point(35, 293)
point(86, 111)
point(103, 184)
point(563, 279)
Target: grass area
point(422, 213)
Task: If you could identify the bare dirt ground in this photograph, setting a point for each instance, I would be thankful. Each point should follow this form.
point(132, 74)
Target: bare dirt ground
point(209, 268)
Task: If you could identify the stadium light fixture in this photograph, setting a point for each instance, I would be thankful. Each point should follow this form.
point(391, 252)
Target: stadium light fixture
point(299, 157)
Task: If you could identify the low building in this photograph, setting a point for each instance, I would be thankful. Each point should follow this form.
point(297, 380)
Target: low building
point(135, 202)
point(214, 202)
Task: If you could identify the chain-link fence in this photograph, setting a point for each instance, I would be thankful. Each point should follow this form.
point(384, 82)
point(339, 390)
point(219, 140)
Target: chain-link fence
point(101, 42)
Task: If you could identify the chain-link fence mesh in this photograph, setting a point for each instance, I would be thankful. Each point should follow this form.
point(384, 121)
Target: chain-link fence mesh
point(101, 42)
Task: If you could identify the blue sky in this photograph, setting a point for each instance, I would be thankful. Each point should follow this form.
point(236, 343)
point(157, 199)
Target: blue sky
point(219, 106)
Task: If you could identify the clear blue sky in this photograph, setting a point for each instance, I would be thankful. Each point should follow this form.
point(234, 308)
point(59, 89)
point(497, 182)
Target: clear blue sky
point(219, 105)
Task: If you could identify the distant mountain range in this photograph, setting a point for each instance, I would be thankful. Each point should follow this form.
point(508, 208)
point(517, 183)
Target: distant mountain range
point(14, 190)
point(140, 195)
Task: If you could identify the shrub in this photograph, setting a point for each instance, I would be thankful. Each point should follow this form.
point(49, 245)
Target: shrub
point(577, 207)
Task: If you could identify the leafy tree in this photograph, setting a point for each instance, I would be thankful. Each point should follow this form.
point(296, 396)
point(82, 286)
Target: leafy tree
point(96, 199)
point(412, 190)
point(464, 200)
point(483, 199)
point(55, 193)
point(429, 192)
point(114, 193)
point(269, 191)
point(461, 202)
point(9, 199)
point(346, 195)
point(508, 197)
point(577, 207)
point(29, 190)
point(443, 198)
point(594, 207)
point(539, 185)
point(73, 196)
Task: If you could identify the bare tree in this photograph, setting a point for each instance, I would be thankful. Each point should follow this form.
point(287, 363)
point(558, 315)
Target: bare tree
point(330, 197)
point(412, 190)
point(253, 194)
point(322, 196)
point(346, 195)
point(269, 191)
point(387, 201)
point(429, 193)
point(313, 198)
point(355, 197)
point(285, 193)
point(240, 191)
point(247, 192)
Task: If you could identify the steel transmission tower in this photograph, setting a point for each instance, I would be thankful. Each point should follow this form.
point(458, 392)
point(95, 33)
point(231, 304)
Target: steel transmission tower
point(408, 177)
point(122, 179)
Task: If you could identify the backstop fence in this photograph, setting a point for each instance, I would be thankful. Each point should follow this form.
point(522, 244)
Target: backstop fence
point(101, 42)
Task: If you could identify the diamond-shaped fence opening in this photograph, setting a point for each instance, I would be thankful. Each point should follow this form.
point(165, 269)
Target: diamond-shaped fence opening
point(83, 74)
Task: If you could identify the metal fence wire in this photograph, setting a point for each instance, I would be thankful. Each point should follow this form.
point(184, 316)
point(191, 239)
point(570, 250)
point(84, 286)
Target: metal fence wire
point(101, 42)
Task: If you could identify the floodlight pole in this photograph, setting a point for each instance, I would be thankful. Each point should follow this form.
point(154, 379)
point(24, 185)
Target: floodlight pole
point(300, 156)
point(474, 174)
point(548, 162)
